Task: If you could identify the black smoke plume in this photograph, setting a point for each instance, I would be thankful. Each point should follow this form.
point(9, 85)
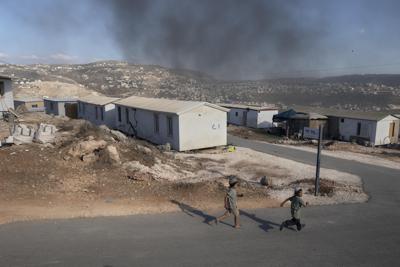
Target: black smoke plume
point(226, 38)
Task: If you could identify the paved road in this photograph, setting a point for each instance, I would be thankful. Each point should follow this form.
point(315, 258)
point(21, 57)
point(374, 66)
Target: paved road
point(343, 235)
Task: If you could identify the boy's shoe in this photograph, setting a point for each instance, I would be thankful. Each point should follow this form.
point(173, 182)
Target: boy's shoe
point(216, 221)
point(281, 227)
point(302, 226)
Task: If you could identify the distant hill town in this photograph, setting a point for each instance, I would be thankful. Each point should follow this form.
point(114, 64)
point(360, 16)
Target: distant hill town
point(114, 78)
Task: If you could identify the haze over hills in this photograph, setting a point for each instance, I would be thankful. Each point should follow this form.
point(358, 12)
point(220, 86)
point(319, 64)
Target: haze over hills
point(114, 78)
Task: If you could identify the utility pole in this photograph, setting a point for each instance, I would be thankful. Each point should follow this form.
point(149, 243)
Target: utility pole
point(321, 128)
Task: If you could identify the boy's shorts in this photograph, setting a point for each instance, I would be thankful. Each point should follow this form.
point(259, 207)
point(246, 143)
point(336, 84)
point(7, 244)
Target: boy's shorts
point(234, 211)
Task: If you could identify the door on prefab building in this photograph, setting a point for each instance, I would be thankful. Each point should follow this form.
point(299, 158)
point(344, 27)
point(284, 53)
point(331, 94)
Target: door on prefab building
point(71, 110)
point(244, 118)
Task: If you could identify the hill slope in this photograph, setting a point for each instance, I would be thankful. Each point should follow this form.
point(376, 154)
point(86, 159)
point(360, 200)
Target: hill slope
point(358, 92)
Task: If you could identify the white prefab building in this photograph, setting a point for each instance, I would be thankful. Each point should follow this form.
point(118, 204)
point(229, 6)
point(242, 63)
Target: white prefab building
point(185, 125)
point(376, 129)
point(250, 116)
point(6, 95)
point(61, 107)
point(99, 110)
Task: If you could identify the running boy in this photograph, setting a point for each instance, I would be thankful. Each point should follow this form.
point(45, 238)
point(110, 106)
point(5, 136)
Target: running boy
point(231, 202)
point(296, 204)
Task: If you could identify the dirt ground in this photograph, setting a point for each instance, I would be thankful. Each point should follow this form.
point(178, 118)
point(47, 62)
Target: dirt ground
point(91, 171)
point(254, 134)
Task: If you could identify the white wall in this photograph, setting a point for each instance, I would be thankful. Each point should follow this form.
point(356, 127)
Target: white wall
point(88, 112)
point(252, 119)
point(255, 119)
point(236, 116)
point(382, 131)
point(201, 128)
point(61, 108)
point(348, 128)
point(265, 118)
point(143, 122)
point(7, 100)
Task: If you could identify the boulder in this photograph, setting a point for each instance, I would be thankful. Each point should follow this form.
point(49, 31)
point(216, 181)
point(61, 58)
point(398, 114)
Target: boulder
point(137, 171)
point(85, 148)
point(89, 158)
point(111, 155)
point(135, 166)
point(104, 128)
point(144, 149)
point(118, 135)
point(166, 147)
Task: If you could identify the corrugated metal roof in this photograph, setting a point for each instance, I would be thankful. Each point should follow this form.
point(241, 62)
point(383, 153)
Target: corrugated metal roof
point(240, 106)
point(98, 99)
point(357, 115)
point(66, 99)
point(351, 114)
point(291, 114)
point(27, 99)
point(164, 105)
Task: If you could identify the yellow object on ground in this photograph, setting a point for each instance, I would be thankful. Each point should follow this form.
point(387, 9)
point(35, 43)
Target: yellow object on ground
point(231, 149)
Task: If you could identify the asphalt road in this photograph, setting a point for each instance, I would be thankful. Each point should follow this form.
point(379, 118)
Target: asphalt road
point(342, 235)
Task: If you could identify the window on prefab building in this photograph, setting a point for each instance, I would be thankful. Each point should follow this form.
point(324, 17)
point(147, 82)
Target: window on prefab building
point(34, 105)
point(359, 128)
point(127, 115)
point(236, 113)
point(102, 113)
point(341, 120)
point(119, 114)
point(169, 126)
point(2, 89)
point(97, 112)
point(51, 105)
point(156, 123)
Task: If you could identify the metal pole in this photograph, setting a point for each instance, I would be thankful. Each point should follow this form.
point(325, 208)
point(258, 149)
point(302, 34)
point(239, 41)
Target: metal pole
point(318, 160)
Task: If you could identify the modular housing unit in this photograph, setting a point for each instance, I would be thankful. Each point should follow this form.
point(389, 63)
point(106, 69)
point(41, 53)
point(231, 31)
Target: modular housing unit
point(185, 125)
point(250, 116)
point(99, 110)
point(62, 107)
point(6, 95)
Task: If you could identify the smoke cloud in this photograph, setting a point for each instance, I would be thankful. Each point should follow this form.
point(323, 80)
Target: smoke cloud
point(225, 38)
point(232, 39)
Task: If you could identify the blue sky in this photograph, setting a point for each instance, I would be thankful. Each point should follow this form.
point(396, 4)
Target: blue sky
point(36, 32)
point(354, 36)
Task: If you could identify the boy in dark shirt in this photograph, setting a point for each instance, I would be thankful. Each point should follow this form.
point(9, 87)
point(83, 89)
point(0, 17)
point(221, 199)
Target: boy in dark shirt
point(296, 204)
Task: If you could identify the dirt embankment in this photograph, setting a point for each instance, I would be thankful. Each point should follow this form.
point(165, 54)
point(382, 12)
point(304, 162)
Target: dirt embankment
point(93, 171)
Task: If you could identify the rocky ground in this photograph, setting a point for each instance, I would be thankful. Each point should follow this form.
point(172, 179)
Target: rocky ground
point(93, 171)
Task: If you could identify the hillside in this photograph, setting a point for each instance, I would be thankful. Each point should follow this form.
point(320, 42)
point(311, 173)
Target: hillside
point(356, 92)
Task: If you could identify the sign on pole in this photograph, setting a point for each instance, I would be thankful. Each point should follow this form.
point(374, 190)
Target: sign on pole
point(310, 133)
